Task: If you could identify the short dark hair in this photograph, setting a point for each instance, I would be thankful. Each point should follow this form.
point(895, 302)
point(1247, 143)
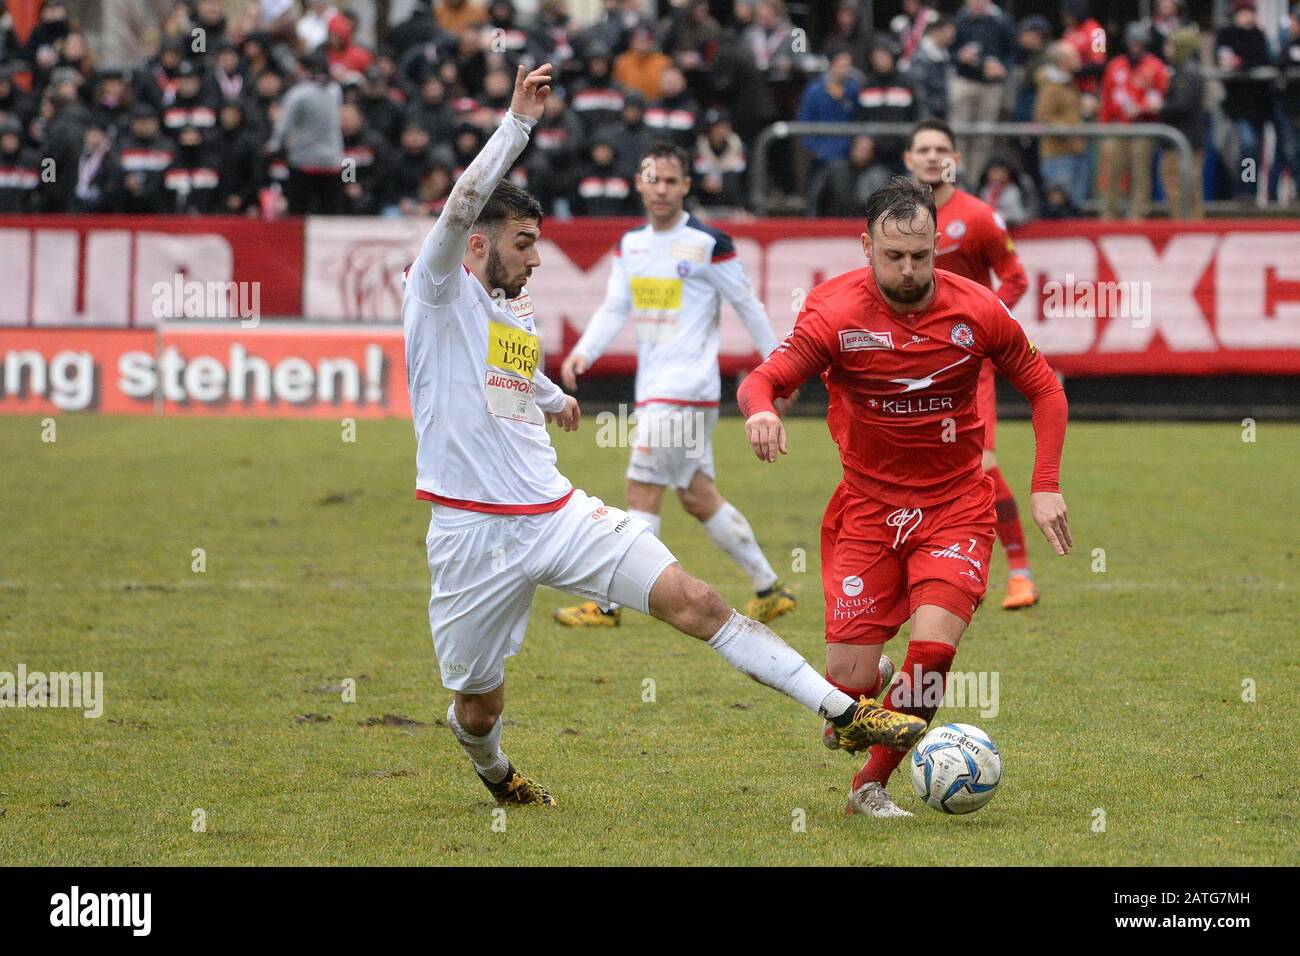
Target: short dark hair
point(938, 125)
point(662, 149)
point(507, 202)
point(900, 200)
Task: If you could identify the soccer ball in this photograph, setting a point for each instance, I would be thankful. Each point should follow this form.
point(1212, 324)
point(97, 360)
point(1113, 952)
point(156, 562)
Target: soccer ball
point(956, 768)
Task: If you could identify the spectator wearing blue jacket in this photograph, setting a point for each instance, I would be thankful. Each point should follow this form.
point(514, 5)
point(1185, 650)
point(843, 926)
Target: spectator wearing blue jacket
point(832, 98)
point(982, 56)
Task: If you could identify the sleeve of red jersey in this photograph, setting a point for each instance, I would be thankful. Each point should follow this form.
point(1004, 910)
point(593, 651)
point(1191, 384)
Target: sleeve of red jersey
point(1001, 253)
point(1017, 359)
point(806, 352)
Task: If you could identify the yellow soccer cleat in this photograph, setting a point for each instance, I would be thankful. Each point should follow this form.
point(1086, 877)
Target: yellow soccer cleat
point(873, 724)
point(767, 609)
point(588, 614)
point(517, 790)
point(830, 739)
point(1020, 593)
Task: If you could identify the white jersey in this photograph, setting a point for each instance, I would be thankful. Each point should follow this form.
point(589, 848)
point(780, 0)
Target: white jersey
point(474, 365)
point(672, 284)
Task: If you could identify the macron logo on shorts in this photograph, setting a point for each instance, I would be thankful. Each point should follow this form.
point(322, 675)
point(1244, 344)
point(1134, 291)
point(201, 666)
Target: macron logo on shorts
point(452, 669)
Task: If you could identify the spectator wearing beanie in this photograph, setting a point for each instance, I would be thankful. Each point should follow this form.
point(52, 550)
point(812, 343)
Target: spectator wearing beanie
point(145, 154)
point(674, 116)
point(1132, 91)
point(597, 99)
point(887, 96)
point(1184, 110)
point(238, 162)
point(367, 164)
point(629, 136)
point(718, 171)
point(193, 179)
point(20, 170)
point(603, 188)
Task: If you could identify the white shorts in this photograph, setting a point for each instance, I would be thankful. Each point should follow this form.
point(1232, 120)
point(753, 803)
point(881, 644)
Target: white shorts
point(485, 569)
point(672, 443)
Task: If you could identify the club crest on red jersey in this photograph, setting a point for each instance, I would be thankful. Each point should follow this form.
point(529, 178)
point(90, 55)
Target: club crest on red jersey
point(962, 335)
point(955, 229)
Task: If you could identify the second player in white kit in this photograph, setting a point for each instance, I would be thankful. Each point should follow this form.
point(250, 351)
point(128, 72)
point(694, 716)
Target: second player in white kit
point(670, 278)
point(504, 519)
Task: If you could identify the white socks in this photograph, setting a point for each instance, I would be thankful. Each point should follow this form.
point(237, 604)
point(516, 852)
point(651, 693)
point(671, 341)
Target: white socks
point(753, 649)
point(652, 520)
point(732, 533)
point(484, 752)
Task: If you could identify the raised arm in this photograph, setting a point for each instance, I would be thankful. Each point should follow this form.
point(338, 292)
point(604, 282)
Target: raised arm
point(444, 247)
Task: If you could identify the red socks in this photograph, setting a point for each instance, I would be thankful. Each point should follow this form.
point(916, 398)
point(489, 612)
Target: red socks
point(1010, 532)
point(932, 658)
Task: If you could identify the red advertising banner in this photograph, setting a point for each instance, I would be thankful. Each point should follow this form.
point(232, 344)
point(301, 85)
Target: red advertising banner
point(132, 271)
point(268, 371)
point(1160, 297)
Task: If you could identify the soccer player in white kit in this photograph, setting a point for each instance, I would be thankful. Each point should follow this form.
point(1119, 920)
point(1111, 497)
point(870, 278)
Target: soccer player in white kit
point(670, 277)
point(504, 519)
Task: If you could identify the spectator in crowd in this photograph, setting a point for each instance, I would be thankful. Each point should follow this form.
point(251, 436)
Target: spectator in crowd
point(312, 140)
point(629, 136)
point(95, 189)
point(144, 157)
point(1287, 107)
point(1027, 59)
point(1010, 193)
point(674, 116)
point(642, 67)
point(410, 167)
point(1184, 110)
point(457, 15)
point(887, 96)
point(843, 187)
point(238, 161)
point(227, 80)
point(188, 104)
point(691, 36)
point(491, 107)
point(980, 65)
point(831, 98)
point(20, 170)
point(347, 60)
point(930, 71)
point(603, 188)
point(850, 34)
point(1240, 47)
point(560, 136)
point(112, 100)
point(469, 140)
point(614, 26)
point(156, 81)
point(268, 88)
point(1062, 160)
point(597, 99)
point(769, 40)
point(718, 170)
point(63, 123)
point(1167, 16)
point(435, 189)
point(431, 111)
point(314, 24)
point(193, 179)
point(367, 160)
point(554, 30)
point(910, 26)
point(505, 36)
point(376, 100)
point(416, 30)
point(15, 102)
point(1058, 204)
point(1132, 91)
point(1089, 40)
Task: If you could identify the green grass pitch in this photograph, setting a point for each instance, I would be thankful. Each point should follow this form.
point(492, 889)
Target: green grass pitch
point(1120, 696)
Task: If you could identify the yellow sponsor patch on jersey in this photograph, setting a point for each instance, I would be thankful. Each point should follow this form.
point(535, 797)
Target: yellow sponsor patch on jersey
point(656, 295)
point(512, 350)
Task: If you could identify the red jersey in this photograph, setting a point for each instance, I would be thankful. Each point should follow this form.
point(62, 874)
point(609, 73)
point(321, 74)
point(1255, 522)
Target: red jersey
point(973, 242)
point(1141, 86)
point(903, 386)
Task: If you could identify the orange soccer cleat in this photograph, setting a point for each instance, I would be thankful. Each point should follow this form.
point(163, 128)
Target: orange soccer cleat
point(1020, 593)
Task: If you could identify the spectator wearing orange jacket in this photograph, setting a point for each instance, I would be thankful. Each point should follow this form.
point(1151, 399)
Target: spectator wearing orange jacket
point(1132, 91)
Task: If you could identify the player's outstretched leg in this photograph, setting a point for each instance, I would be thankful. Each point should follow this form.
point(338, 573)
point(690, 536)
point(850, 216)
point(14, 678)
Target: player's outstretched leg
point(694, 608)
point(475, 720)
point(1021, 591)
point(917, 690)
point(729, 530)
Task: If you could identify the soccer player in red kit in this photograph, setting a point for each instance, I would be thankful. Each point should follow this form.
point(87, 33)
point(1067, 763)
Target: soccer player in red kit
point(973, 242)
point(909, 531)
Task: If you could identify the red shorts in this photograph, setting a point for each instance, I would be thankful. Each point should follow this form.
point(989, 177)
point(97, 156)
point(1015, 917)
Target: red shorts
point(986, 404)
point(881, 562)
